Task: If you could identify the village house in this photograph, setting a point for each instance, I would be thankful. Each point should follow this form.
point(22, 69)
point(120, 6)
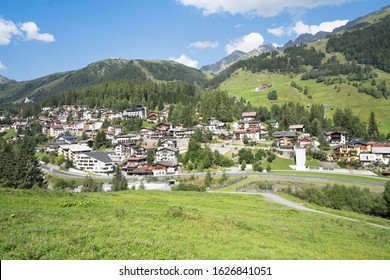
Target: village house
point(298, 128)
point(180, 133)
point(66, 139)
point(168, 143)
point(165, 168)
point(56, 130)
point(153, 117)
point(96, 162)
point(71, 152)
point(135, 112)
point(346, 152)
point(336, 138)
point(115, 129)
point(248, 116)
point(167, 154)
point(252, 134)
point(284, 139)
point(125, 138)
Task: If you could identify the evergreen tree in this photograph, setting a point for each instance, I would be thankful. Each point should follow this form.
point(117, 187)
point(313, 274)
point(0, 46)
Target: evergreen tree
point(386, 196)
point(243, 165)
point(207, 180)
point(29, 174)
point(372, 128)
point(119, 182)
point(149, 158)
point(100, 140)
point(90, 185)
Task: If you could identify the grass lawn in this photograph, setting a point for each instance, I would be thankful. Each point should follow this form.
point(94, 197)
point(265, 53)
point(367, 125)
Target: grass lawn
point(10, 133)
point(137, 225)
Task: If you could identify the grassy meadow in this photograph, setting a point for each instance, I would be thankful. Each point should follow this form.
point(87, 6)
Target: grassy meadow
point(156, 225)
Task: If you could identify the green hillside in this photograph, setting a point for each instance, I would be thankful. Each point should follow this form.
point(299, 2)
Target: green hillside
point(175, 225)
point(243, 84)
point(104, 71)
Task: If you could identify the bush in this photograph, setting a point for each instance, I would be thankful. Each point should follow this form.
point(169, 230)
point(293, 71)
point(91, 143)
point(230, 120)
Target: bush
point(273, 95)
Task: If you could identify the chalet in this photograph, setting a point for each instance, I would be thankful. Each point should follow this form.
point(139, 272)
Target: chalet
point(336, 138)
point(247, 124)
point(96, 162)
point(141, 171)
point(116, 129)
point(167, 154)
point(170, 168)
point(273, 123)
point(249, 116)
point(146, 132)
point(168, 143)
point(135, 112)
point(164, 126)
point(153, 117)
point(56, 131)
point(125, 138)
point(253, 134)
point(66, 139)
point(284, 139)
point(305, 142)
point(180, 133)
point(298, 128)
point(346, 152)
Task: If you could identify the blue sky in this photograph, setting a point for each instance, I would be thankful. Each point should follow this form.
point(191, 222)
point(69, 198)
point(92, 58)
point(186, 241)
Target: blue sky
point(40, 37)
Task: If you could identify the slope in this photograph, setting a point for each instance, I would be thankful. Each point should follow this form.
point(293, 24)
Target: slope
point(99, 72)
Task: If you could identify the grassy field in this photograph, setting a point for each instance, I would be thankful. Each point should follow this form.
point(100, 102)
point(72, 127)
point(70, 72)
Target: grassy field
point(243, 84)
point(175, 225)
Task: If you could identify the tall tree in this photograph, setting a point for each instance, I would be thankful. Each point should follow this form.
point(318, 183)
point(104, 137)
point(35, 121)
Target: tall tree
point(90, 185)
point(29, 174)
point(372, 127)
point(119, 182)
point(386, 196)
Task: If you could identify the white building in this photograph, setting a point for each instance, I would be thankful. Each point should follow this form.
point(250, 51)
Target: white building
point(167, 154)
point(71, 152)
point(96, 162)
point(135, 112)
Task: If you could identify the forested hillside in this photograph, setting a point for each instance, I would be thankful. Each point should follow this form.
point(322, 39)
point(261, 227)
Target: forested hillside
point(100, 72)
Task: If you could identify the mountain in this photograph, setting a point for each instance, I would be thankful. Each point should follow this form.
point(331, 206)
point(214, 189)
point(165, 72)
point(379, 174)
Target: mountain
point(260, 50)
point(4, 80)
point(306, 38)
point(223, 63)
point(108, 70)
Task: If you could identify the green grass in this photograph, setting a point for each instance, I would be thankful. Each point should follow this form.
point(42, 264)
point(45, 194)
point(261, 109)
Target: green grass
point(10, 134)
point(175, 225)
point(243, 84)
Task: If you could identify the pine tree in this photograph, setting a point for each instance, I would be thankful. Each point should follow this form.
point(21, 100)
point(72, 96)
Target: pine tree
point(119, 182)
point(207, 180)
point(90, 185)
point(372, 128)
point(149, 158)
point(386, 196)
point(29, 174)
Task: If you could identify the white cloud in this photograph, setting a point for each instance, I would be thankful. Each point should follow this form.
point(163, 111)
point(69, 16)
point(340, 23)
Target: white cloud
point(204, 45)
point(277, 31)
point(32, 33)
point(8, 29)
point(301, 28)
point(245, 43)
point(183, 59)
point(2, 67)
point(27, 30)
point(264, 8)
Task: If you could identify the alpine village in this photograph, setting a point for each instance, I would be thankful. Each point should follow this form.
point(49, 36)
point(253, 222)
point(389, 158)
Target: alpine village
point(130, 153)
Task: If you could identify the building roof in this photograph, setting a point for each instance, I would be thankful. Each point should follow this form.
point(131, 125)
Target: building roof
point(249, 114)
point(296, 126)
point(100, 156)
point(166, 163)
point(279, 134)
